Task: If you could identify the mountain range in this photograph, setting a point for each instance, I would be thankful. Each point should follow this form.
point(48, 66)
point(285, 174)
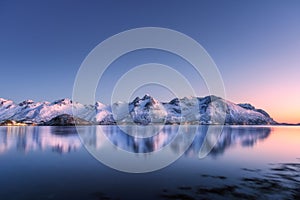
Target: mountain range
point(144, 111)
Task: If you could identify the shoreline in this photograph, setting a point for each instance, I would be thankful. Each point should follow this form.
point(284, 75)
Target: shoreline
point(73, 125)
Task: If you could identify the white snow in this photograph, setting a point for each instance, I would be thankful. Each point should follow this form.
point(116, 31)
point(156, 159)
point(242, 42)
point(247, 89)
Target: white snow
point(144, 111)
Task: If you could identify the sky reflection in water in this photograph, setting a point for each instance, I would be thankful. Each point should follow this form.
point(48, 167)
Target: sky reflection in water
point(65, 139)
point(51, 163)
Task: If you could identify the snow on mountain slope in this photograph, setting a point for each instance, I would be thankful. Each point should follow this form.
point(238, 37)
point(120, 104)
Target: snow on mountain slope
point(183, 110)
point(213, 110)
point(45, 111)
point(7, 109)
point(144, 111)
point(141, 111)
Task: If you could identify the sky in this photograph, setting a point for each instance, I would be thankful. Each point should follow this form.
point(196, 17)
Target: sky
point(255, 45)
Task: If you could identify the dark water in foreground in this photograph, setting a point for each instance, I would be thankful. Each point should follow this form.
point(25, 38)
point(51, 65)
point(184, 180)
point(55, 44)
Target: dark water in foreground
point(246, 163)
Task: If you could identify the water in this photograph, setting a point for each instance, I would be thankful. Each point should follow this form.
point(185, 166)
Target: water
point(248, 162)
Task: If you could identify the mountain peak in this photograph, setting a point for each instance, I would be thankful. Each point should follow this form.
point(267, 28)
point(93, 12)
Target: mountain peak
point(64, 101)
point(147, 96)
point(145, 110)
point(3, 100)
point(146, 99)
point(26, 102)
point(100, 105)
point(247, 106)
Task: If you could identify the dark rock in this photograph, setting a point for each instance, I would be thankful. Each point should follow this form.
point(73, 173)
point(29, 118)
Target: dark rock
point(66, 120)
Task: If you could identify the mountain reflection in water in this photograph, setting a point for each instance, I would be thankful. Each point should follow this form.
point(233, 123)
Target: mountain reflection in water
point(65, 139)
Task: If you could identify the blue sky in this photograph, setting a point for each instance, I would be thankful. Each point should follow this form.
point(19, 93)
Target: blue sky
point(255, 44)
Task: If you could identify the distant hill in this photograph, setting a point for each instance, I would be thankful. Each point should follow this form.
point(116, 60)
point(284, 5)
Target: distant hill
point(146, 110)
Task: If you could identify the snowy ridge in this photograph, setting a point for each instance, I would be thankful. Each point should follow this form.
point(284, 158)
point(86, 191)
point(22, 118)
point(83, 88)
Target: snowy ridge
point(144, 111)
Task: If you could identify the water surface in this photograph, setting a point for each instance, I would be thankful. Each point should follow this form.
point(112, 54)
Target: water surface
point(253, 162)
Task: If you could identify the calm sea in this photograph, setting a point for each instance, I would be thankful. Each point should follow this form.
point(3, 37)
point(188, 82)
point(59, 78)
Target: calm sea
point(244, 162)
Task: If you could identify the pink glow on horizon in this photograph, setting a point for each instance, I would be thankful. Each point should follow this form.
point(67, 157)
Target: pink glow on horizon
point(275, 87)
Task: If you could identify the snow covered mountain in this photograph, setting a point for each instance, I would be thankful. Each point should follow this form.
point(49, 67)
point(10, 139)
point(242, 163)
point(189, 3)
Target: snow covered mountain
point(141, 111)
point(144, 111)
point(40, 112)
